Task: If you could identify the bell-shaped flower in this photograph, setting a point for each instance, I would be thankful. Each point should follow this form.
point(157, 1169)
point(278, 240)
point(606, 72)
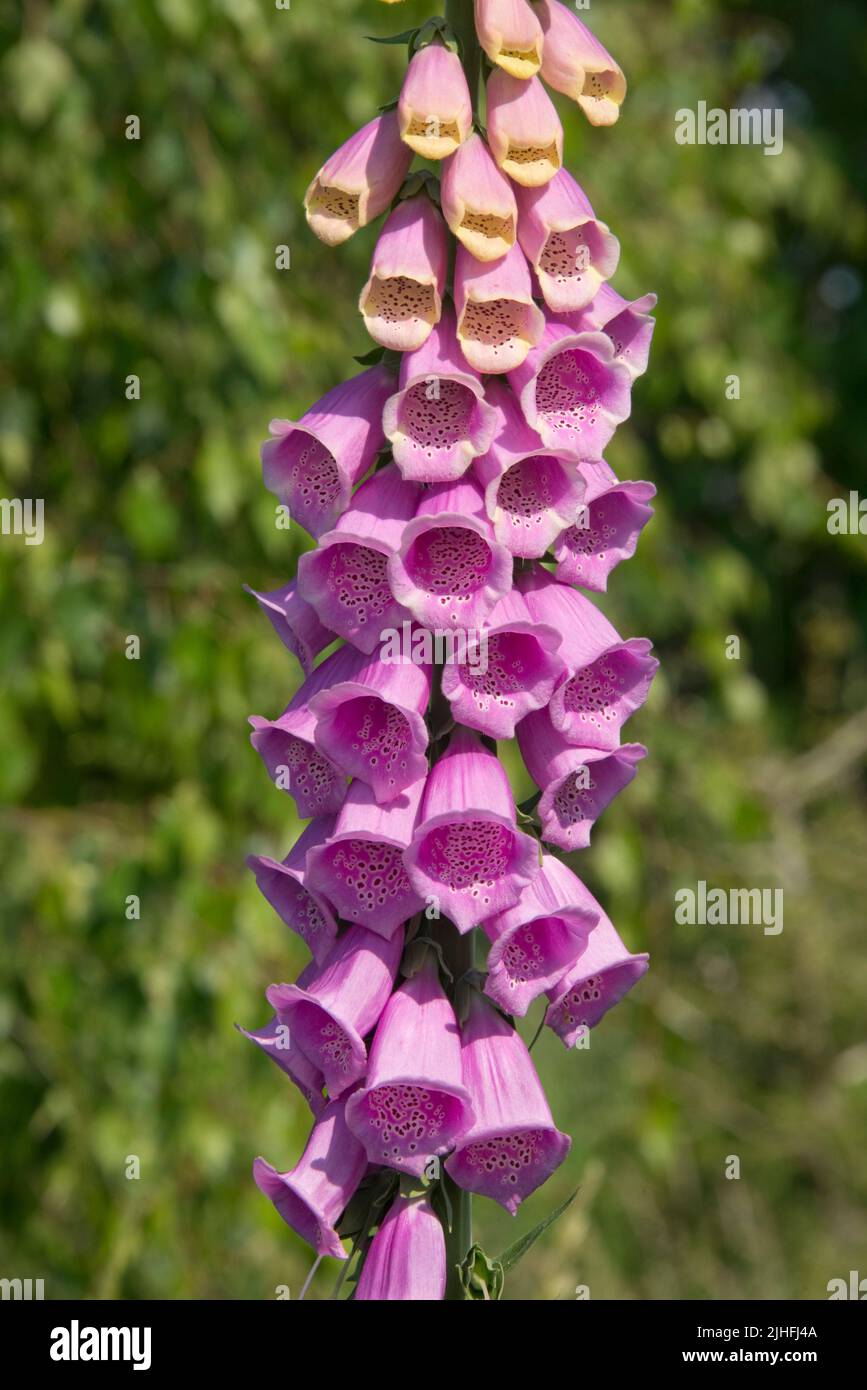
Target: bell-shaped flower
point(345, 579)
point(313, 1195)
point(295, 622)
point(531, 492)
point(286, 887)
point(509, 670)
point(450, 569)
point(434, 110)
point(331, 1014)
point(478, 201)
point(572, 252)
point(287, 747)
point(513, 1145)
point(511, 35)
point(537, 941)
point(402, 299)
point(606, 679)
point(313, 465)
point(576, 783)
point(498, 320)
point(467, 856)
point(628, 323)
point(370, 723)
point(603, 972)
point(438, 419)
point(406, 1261)
point(524, 130)
point(275, 1041)
point(359, 180)
point(572, 390)
point(575, 63)
point(414, 1105)
point(606, 531)
point(360, 869)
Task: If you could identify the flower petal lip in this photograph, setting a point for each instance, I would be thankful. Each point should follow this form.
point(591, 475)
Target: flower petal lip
point(313, 1194)
point(313, 464)
point(295, 900)
point(345, 578)
point(294, 621)
point(536, 942)
point(614, 515)
point(414, 1105)
point(359, 180)
point(567, 808)
point(406, 1261)
point(628, 324)
point(450, 569)
point(434, 109)
point(438, 420)
point(276, 1042)
point(524, 130)
point(478, 201)
point(579, 414)
point(602, 974)
point(571, 251)
point(511, 35)
point(360, 866)
point(498, 321)
point(402, 299)
point(575, 63)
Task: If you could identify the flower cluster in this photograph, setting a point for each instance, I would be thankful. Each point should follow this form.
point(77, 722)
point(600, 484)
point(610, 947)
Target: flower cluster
point(456, 486)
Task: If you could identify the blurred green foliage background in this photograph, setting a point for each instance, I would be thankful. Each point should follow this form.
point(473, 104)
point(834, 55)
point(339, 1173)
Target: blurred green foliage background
point(156, 257)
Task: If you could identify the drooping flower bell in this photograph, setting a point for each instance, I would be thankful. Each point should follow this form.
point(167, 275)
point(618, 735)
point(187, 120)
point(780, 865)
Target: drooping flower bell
point(434, 110)
point(603, 972)
point(413, 1106)
point(478, 201)
point(611, 519)
point(359, 180)
point(313, 465)
point(575, 63)
point(511, 35)
point(402, 299)
point(467, 855)
point(407, 1256)
point(571, 251)
point(572, 390)
point(498, 321)
point(275, 1041)
point(524, 130)
point(628, 323)
point(295, 622)
point(513, 1145)
point(295, 900)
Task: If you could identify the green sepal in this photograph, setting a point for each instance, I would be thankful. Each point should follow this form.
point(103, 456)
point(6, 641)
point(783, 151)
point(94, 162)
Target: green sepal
point(482, 1278)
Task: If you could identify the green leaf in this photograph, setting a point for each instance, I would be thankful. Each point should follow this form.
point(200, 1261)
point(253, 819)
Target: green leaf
point(516, 1252)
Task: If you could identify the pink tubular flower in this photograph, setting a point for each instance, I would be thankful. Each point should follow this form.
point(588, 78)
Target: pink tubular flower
point(478, 201)
point(606, 679)
point(571, 252)
point(537, 941)
point(275, 1041)
point(313, 465)
point(407, 1256)
point(603, 972)
point(359, 180)
point(511, 35)
point(293, 898)
point(370, 723)
point(513, 1145)
point(524, 130)
point(402, 299)
point(295, 622)
point(313, 1194)
point(610, 521)
point(286, 745)
point(345, 579)
point(531, 492)
point(572, 390)
point(467, 853)
point(360, 866)
point(330, 1015)
point(575, 63)
point(627, 323)
point(576, 783)
point(414, 1105)
point(498, 322)
point(450, 569)
point(434, 110)
point(438, 420)
point(511, 671)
